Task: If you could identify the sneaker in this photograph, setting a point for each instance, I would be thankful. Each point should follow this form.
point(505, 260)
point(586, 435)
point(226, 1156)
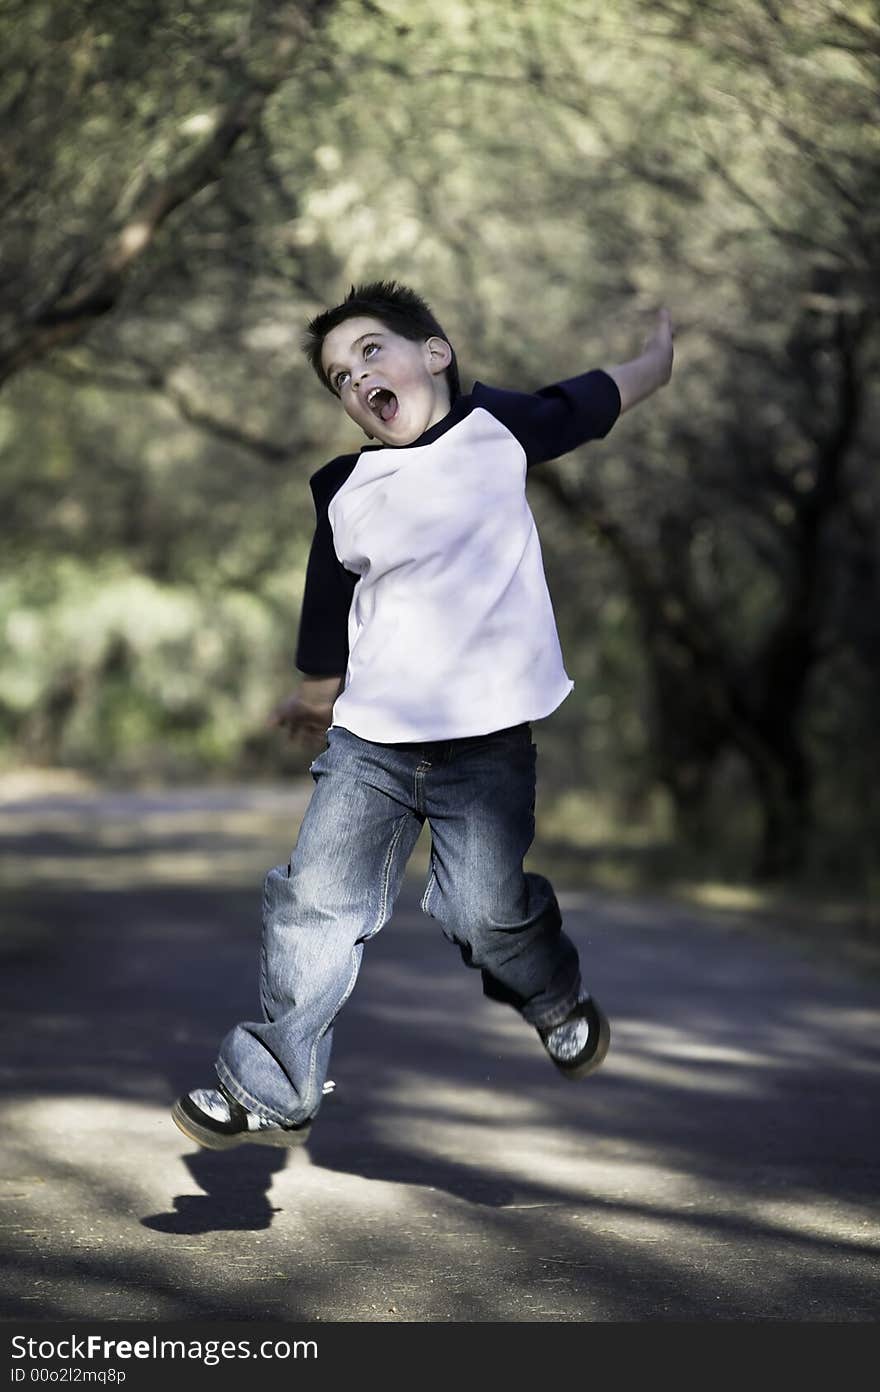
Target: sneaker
point(579, 1044)
point(213, 1118)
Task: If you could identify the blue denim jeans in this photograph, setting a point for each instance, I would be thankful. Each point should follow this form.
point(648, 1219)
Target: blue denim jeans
point(368, 806)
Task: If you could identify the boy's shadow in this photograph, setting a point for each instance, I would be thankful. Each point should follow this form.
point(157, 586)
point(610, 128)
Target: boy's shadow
point(236, 1185)
point(236, 1196)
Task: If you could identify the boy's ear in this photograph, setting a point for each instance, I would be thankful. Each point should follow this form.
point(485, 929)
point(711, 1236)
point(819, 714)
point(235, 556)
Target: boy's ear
point(439, 354)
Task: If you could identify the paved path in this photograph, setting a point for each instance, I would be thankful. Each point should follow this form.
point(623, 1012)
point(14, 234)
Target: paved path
point(723, 1164)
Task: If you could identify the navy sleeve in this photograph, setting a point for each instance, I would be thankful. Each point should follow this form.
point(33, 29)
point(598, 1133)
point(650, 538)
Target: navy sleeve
point(322, 643)
point(556, 419)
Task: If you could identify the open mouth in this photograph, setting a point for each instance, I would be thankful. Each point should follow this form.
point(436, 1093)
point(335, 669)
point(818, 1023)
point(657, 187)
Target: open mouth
point(383, 403)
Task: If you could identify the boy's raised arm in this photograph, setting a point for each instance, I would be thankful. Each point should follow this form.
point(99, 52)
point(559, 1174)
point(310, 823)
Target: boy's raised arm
point(652, 369)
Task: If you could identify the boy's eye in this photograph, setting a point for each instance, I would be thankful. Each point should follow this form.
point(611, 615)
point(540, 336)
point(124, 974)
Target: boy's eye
point(342, 377)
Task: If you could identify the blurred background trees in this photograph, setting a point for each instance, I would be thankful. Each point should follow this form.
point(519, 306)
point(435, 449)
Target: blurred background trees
point(185, 185)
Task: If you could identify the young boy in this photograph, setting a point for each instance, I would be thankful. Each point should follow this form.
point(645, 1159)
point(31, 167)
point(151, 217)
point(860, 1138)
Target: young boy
point(428, 645)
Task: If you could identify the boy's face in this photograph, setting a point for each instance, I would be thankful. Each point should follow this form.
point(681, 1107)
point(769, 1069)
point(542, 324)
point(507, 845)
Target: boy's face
point(392, 387)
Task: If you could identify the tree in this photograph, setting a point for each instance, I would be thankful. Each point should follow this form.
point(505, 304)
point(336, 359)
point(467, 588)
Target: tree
point(86, 71)
point(544, 174)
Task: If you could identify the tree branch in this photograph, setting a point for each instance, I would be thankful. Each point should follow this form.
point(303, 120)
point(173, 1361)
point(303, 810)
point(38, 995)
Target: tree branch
point(93, 283)
point(160, 383)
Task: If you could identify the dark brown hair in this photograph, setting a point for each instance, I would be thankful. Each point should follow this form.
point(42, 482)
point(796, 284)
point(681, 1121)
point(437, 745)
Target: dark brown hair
point(396, 306)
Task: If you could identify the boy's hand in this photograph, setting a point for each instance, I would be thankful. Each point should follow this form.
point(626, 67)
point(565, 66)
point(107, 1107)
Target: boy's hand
point(651, 369)
point(306, 713)
point(658, 345)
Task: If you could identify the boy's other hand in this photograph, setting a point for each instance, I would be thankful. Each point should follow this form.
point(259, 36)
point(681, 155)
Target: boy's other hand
point(659, 343)
point(306, 713)
point(652, 369)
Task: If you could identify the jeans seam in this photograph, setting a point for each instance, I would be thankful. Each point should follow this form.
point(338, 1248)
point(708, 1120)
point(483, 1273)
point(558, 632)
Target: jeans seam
point(386, 877)
point(313, 1053)
point(380, 919)
point(426, 897)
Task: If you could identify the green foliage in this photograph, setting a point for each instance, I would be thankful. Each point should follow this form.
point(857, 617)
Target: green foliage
point(107, 669)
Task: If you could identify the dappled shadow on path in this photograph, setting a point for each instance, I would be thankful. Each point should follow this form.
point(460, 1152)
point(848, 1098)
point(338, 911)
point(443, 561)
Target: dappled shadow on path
point(731, 1131)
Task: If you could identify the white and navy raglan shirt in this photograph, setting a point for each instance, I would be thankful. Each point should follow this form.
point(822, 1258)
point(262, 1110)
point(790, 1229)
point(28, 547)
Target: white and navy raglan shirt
point(425, 584)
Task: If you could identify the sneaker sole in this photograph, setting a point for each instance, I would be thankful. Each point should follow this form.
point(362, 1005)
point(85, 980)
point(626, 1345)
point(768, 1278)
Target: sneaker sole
point(581, 1070)
point(215, 1140)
